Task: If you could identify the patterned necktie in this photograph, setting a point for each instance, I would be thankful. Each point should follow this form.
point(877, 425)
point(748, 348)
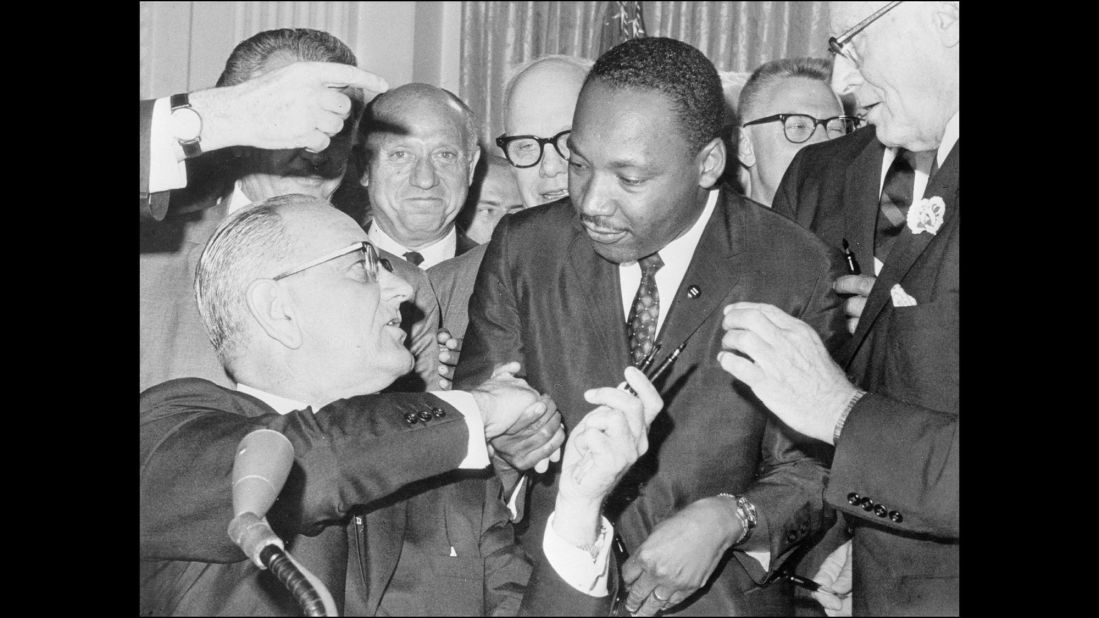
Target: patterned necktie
point(641, 325)
point(896, 197)
point(414, 257)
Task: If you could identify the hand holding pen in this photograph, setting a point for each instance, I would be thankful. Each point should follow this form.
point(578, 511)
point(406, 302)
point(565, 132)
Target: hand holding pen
point(855, 285)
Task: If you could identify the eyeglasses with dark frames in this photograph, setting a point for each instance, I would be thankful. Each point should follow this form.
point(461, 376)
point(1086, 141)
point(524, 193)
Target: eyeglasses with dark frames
point(836, 45)
point(798, 128)
point(527, 150)
point(370, 260)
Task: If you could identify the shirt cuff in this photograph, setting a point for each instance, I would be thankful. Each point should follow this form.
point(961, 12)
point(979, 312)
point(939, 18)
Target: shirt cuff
point(166, 170)
point(513, 501)
point(762, 557)
point(575, 565)
point(477, 450)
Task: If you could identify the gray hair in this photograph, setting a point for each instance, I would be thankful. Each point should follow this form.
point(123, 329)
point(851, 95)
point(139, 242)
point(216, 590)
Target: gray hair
point(249, 245)
point(774, 71)
point(584, 64)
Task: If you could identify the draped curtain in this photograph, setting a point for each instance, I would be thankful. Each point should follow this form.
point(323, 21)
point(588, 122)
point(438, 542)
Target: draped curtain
point(736, 36)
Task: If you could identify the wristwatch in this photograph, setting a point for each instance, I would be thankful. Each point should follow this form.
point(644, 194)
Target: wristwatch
point(186, 125)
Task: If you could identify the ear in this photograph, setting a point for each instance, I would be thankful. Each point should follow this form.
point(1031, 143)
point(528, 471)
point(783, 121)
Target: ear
point(711, 163)
point(364, 180)
point(274, 312)
point(473, 165)
point(745, 151)
point(946, 23)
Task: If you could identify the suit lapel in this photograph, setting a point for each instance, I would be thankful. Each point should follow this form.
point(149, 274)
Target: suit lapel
point(860, 195)
point(909, 247)
point(602, 299)
point(713, 271)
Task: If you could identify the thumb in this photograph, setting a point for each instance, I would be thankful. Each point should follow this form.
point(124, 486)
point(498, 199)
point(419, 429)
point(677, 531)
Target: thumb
point(508, 369)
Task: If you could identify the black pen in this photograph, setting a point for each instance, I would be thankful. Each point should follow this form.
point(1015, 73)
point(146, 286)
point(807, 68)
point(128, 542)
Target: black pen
point(808, 584)
point(852, 263)
point(660, 371)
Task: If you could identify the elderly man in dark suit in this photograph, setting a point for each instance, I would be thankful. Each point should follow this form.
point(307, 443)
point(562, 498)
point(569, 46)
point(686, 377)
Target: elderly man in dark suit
point(647, 250)
point(895, 429)
point(305, 317)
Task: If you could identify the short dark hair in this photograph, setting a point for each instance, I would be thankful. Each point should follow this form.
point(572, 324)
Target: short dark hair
point(679, 71)
point(302, 43)
point(784, 68)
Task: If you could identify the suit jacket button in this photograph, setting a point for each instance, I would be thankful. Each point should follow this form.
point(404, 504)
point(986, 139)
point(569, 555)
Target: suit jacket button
point(867, 504)
point(853, 499)
point(896, 517)
point(426, 416)
point(879, 511)
point(791, 536)
point(438, 412)
point(411, 418)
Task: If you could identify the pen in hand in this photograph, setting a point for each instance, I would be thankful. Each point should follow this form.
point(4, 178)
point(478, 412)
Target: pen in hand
point(660, 371)
point(808, 584)
point(852, 263)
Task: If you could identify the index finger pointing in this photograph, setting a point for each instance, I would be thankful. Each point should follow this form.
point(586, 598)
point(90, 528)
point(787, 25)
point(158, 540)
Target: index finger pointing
point(337, 75)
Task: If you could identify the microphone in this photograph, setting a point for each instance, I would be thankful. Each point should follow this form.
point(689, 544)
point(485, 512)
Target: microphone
point(263, 461)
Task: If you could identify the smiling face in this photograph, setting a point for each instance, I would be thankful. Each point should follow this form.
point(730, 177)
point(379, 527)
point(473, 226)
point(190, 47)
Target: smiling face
point(906, 83)
point(633, 177)
point(351, 337)
point(542, 104)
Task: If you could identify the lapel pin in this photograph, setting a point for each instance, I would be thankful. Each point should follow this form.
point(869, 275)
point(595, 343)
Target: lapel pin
point(694, 291)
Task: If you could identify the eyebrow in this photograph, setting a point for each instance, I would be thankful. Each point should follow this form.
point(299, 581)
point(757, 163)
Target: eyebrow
point(619, 164)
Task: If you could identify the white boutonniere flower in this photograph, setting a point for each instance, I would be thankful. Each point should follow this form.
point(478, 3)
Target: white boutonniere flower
point(926, 215)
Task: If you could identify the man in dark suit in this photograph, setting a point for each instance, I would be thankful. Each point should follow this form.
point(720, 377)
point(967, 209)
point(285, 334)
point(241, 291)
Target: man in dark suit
point(421, 151)
point(562, 290)
point(305, 317)
point(895, 471)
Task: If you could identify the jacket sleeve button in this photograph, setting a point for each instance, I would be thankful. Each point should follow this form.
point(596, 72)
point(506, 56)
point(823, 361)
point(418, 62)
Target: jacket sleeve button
point(411, 418)
point(426, 416)
point(896, 517)
point(867, 504)
point(853, 499)
point(438, 412)
point(880, 511)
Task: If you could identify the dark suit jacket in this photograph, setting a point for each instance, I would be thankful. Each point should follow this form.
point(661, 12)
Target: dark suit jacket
point(899, 446)
point(453, 280)
point(365, 508)
point(545, 298)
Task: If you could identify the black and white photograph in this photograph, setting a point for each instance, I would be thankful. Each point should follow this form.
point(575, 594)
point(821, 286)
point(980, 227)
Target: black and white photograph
point(603, 308)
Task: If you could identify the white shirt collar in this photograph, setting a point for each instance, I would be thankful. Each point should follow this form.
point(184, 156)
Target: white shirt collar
point(676, 256)
point(282, 405)
point(443, 249)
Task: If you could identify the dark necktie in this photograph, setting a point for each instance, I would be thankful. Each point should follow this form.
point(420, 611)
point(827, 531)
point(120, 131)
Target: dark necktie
point(896, 197)
point(414, 257)
point(641, 325)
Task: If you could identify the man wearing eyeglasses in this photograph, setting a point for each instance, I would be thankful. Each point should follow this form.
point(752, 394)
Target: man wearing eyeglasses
point(892, 193)
point(785, 106)
point(305, 316)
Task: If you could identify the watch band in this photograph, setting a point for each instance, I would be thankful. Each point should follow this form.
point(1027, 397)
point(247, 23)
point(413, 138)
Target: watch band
point(191, 147)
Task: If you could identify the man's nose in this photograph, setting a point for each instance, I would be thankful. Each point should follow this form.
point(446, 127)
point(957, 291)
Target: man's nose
point(595, 197)
point(393, 286)
point(845, 76)
point(423, 173)
point(552, 164)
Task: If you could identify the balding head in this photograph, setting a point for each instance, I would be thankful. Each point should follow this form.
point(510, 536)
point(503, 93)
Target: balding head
point(286, 294)
point(421, 150)
point(539, 100)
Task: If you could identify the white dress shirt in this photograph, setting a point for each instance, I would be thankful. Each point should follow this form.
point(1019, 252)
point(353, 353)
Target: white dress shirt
point(922, 166)
point(574, 565)
point(442, 249)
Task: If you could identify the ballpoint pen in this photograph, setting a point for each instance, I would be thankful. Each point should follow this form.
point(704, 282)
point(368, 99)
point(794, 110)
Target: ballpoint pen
point(852, 263)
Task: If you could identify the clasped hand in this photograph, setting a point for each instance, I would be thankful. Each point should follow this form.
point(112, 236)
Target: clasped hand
point(522, 426)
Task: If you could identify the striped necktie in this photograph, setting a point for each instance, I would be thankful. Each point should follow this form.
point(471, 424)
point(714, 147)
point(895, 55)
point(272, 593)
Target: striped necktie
point(896, 197)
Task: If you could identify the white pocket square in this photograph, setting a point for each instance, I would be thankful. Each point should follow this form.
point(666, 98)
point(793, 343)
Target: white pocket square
point(900, 297)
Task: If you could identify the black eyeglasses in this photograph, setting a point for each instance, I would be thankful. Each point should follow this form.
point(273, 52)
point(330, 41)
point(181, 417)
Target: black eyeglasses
point(527, 150)
point(836, 44)
point(798, 128)
point(370, 260)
